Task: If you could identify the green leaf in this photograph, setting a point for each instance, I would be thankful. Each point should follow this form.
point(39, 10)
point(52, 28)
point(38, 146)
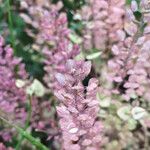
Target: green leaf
point(104, 101)
point(80, 56)
point(131, 124)
point(77, 17)
point(102, 113)
point(20, 83)
point(93, 55)
point(75, 39)
point(133, 96)
point(138, 113)
point(36, 88)
point(29, 90)
point(124, 113)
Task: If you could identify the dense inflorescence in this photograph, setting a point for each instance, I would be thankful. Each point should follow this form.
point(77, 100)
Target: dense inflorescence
point(12, 98)
point(55, 31)
point(42, 117)
point(130, 65)
point(78, 108)
point(103, 20)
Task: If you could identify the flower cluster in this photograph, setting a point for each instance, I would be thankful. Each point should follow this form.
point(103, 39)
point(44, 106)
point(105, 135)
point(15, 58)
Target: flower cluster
point(12, 98)
point(115, 36)
point(130, 65)
point(102, 19)
point(36, 11)
point(78, 108)
point(55, 31)
point(42, 116)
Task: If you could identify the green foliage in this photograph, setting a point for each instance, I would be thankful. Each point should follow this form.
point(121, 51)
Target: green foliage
point(26, 135)
point(93, 55)
point(36, 88)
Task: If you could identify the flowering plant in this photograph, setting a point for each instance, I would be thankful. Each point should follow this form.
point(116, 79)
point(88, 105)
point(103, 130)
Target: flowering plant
point(75, 75)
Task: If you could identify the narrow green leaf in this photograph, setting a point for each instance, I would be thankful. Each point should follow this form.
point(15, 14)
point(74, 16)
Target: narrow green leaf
point(93, 55)
point(26, 135)
point(75, 39)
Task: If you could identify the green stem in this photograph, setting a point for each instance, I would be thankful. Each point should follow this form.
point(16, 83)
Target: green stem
point(21, 138)
point(10, 24)
point(26, 135)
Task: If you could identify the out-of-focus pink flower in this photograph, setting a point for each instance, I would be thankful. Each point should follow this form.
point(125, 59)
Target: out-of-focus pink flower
point(129, 67)
point(42, 118)
point(102, 19)
point(12, 98)
point(2, 147)
point(94, 15)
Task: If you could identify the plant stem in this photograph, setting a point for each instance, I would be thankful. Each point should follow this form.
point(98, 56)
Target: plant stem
point(26, 135)
point(10, 24)
point(21, 138)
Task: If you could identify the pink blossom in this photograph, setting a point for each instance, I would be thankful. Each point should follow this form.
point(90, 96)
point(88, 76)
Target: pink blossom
point(100, 32)
point(12, 98)
point(78, 109)
point(55, 31)
point(2, 147)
